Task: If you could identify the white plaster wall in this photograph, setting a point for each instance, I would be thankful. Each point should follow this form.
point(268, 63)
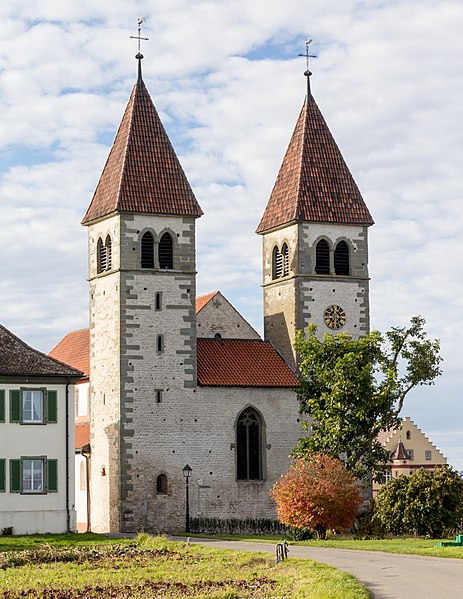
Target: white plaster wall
point(41, 513)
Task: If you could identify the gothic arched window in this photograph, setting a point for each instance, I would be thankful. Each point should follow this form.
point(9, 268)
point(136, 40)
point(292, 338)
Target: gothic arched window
point(322, 258)
point(341, 259)
point(108, 252)
point(249, 445)
point(147, 251)
point(166, 252)
point(101, 257)
point(277, 263)
point(285, 259)
point(161, 485)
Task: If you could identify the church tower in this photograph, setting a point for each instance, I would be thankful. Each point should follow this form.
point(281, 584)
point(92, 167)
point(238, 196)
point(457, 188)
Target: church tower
point(315, 240)
point(142, 275)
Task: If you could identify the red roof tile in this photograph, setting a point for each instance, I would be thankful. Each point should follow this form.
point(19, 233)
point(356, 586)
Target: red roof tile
point(142, 173)
point(82, 432)
point(202, 300)
point(74, 349)
point(242, 363)
point(314, 183)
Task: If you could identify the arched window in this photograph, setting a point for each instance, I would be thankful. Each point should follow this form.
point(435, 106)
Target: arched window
point(161, 484)
point(408, 435)
point(101, 261)
point(249, 445)
point(285, 259)
point(147, 251)
point(322, 258)
point(82, 476)
point(341, 259)
point(277, 263)
point(166, 251)
point(108, 252)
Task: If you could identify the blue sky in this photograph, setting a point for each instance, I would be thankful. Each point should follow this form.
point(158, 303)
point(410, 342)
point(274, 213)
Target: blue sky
point(227, 81)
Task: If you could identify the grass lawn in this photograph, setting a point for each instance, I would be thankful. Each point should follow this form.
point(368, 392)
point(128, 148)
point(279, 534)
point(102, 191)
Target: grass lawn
point(84, 566)
point(418, 546)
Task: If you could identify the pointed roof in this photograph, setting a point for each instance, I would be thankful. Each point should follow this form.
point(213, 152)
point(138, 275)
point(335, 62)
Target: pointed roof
point(314, 183)
point(400, 452)
point(142, 173)
point(18, 359)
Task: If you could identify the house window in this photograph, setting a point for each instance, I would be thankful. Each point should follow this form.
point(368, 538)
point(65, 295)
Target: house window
point(322, 258)
point(409, 453)
point(32, 406)
point(387, 475)
point(166, 252)
point(408, 435)
point(341, 259)
point(427, 455)
point(285, 259)
point(249, 445)
point(161, 484)
point(158, 301)
point(277, 263)
point(160, 344)
point(147, 251)
point(33, 475)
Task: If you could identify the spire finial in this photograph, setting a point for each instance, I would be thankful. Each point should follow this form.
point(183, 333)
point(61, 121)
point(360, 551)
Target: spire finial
point(308, 72)
point(138, 37)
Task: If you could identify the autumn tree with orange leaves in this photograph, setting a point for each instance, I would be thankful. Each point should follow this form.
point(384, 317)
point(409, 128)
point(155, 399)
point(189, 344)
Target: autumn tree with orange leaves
point(317, 492)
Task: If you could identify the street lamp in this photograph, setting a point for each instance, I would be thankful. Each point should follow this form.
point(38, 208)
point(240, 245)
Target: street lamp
point(186, 474)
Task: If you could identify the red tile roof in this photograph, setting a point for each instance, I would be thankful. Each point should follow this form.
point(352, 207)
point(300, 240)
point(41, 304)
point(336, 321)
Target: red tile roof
point(242, 363)
point(202, 300)
point(142, 173)
point(19, 359)
point(314, 183)
point(74, 349)
point(82, 437)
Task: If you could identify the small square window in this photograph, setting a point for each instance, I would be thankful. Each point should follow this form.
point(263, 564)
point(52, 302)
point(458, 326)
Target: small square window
point(427, 455)
point(409, 454)
point(32, 405)
point(33, 475)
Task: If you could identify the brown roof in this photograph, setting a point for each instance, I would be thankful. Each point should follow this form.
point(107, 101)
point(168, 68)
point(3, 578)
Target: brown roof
point(142, 173)
point(314, 183)
point(399, 452)
point(242, 363)
point(18, 359)
point(202, 300)
point(74, 349)
point(82, 437)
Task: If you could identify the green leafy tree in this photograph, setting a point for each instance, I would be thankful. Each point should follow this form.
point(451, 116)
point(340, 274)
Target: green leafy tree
point(427, 502)
point(318, 493)
point(354, 388)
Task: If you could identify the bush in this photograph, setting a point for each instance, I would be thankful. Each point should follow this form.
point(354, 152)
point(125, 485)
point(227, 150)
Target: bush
point(7, 531)
point(368, 526)
point(299, 534)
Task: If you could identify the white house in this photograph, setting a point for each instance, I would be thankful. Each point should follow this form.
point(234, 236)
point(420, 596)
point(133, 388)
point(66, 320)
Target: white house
point(36, 439)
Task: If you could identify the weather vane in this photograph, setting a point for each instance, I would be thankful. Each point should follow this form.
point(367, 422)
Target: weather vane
point(307, 56)
point(138, 37)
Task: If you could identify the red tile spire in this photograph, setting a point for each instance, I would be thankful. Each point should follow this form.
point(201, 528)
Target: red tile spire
point(314, 183)
point(142, 173)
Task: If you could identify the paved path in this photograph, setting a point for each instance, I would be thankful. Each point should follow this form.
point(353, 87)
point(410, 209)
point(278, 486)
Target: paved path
point(386, 575)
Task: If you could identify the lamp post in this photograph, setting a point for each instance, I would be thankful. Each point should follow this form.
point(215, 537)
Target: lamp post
point(186, 474)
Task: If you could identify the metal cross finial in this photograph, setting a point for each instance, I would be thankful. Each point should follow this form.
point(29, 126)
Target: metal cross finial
point(307, 72)
point(138, 37)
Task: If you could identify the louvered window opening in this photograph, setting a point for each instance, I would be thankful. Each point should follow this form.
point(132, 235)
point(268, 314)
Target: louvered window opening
point(166, 252)
point(147, 251)
point(101, 257)
point(341, 259)
point(248, 446)
point(108, 253)
point(277, 264)
point(285, 259)
point(322, 264)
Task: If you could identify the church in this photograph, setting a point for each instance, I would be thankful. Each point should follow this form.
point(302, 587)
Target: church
point(175, 380)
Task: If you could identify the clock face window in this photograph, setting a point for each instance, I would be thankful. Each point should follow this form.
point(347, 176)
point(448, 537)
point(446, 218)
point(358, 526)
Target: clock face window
point(334, 317)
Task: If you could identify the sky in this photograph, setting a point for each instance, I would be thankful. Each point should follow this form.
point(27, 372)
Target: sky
point(227, 81)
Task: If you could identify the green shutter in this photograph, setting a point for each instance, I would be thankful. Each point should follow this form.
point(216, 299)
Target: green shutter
point(52, 476)
point(2, 405)
point(15, 405)
point(15, 476)
point(52, 406)
point(2, 475)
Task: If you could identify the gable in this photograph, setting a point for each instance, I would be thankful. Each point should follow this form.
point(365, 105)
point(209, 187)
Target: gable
point(216, 316)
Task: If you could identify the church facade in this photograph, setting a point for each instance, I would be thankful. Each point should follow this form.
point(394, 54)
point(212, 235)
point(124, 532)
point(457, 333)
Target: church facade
point(177, 380)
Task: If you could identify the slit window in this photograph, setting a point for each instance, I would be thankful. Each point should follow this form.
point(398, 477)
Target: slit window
point(158, 301)
point(158, 396)
point(147, 251)
point(322, 258)
point(166, 252)
point(248, 446)
point(160, 343)
point(341, 259)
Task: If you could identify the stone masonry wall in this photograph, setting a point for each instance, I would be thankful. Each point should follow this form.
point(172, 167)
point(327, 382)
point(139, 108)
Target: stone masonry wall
point(219, 317)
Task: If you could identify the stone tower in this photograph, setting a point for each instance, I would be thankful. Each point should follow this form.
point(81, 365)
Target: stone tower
point(315, 240)
point(142, 274)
